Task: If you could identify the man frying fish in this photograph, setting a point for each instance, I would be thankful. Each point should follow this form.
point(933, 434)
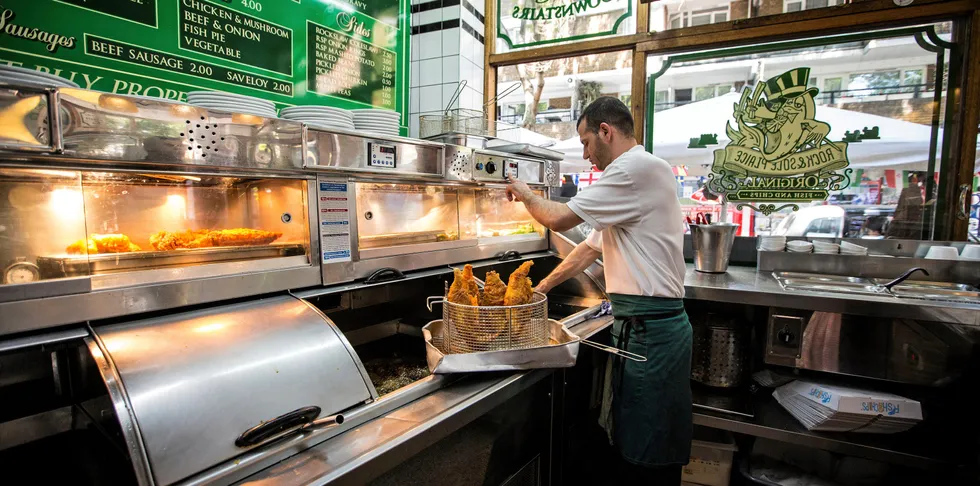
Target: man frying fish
point(638, 232)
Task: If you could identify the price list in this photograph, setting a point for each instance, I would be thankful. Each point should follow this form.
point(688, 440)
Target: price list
point(343, 66)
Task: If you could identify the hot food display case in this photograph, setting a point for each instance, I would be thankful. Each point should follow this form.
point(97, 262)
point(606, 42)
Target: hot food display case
point(111, 205)
point(395, 205)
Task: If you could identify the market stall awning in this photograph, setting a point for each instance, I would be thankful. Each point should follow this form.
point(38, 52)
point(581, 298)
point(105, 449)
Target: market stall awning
point(902, 144)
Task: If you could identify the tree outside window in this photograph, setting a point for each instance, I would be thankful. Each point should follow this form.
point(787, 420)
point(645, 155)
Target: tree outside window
point(876, 83)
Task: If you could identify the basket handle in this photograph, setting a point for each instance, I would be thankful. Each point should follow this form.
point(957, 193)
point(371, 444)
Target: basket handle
point(435, 299)
point(618, 352)
point(459, 91)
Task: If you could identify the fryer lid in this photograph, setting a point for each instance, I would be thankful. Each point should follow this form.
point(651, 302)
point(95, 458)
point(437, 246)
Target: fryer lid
point(195, 381)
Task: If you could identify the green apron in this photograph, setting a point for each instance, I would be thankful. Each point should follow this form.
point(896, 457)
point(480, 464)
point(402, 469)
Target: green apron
point(651, 408)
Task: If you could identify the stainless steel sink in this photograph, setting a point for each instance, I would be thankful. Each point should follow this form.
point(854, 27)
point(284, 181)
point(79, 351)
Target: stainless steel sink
point(827, 283)
point(937, 291)
point(910, 289)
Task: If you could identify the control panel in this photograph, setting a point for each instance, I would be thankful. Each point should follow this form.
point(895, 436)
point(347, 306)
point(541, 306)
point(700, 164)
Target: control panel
point(382, 155)
point(497, 168)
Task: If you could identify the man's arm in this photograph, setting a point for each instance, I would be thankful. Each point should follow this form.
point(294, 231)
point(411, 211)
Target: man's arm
point(555, 215)
point(577, 261)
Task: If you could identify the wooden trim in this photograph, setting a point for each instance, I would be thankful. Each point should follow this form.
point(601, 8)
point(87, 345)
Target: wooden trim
point(638, 93)
point(969, 118)
point(489, 71)
point(738, 32)
point(823, 21)
point(643, 18)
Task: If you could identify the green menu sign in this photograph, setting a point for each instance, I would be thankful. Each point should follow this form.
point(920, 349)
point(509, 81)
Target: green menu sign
point(345, 53)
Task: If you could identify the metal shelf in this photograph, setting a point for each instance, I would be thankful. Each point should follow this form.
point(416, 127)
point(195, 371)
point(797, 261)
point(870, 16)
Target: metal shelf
point(922, 447)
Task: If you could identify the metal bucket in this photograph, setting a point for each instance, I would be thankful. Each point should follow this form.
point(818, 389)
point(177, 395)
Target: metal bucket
point(720, 354)
point(712, 246)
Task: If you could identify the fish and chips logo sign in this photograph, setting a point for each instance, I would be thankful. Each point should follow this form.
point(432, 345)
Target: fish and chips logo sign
point(779, 151)
point(549, 17)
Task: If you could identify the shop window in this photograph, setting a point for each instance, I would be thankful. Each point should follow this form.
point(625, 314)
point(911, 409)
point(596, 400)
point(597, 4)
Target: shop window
point(896, 159)
point(682, 96)
point(524, 25)
point(798, 5)
point(579, 80)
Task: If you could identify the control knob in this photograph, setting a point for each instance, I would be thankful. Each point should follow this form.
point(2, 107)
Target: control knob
point(491, 167)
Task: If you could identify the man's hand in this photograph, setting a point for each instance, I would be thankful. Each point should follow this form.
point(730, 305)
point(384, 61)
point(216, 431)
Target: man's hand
point(542, 287)
point(518, 191)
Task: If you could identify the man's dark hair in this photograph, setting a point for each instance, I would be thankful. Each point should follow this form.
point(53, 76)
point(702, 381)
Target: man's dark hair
point(607, 110)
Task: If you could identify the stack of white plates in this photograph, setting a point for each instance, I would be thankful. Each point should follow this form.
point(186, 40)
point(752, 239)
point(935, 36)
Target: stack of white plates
point(852, 249)
point(235, 103)
point(971, 253)
point(29, 77)
point(381, 122)
point(772, 243)
point(825, 247)
point(828, 408)
point(324, 117)
point(799, 246)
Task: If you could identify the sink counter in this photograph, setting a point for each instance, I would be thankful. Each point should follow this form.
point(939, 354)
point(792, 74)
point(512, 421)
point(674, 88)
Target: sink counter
point(745, 285)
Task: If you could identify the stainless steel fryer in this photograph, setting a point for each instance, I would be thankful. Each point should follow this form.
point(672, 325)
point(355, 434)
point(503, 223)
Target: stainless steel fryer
point(196, 389)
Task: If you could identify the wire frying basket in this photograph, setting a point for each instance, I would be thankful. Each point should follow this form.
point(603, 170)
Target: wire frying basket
point(472, 329)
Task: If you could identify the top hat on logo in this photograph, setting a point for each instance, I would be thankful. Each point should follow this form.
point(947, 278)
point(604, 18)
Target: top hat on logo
point(789, 85)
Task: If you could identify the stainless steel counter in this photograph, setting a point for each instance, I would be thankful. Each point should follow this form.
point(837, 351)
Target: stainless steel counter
point(744, 285)
point(365, 452)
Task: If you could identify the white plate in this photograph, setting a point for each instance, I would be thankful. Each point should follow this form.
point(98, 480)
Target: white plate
point(302, 116)
point(226, 95)
point(376, 111)
point(376, 125)
point(253, 106)
point(34, 81)
point(240, 109)
point(380, 118)
point(19, 71)
point(320, 109)
point(219, 99)
point(376, 122)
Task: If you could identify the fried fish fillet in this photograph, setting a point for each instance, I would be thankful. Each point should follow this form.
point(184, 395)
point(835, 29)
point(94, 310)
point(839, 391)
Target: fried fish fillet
point(243, 237)
point(464, 289)
point(519, 286)
point(108, 243)
point(493, 290)
point(174, 240)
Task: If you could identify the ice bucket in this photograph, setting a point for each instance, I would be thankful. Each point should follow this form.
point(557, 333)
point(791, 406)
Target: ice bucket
point(712, 246)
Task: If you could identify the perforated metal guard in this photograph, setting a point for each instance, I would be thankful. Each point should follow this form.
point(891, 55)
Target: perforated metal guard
point(471, 329)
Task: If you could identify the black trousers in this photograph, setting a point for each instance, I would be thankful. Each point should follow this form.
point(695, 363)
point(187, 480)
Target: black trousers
point(632, 474)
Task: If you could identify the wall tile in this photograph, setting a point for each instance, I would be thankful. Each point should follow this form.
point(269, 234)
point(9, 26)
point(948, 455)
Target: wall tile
point(413, 74)
point(415, 47)
point(430, 45)
point(413, 100)
point(430, 16)
point(450, 69)
point(430, 98)
point(480, 6)
point(450, 42)
point(430, 72)
point(413, 126)
point(449, 13)
point(466, 42)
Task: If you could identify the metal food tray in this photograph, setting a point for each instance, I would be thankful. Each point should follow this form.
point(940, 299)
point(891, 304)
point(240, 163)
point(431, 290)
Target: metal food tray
point(103, 263)
point(528, 150)
point(395, 239)
point(560, 353)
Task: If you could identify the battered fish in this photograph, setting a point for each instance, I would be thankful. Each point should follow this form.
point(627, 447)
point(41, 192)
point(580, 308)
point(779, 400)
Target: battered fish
point(519, 286)
point(109, 243)
point(493, 290)
point(464, 289)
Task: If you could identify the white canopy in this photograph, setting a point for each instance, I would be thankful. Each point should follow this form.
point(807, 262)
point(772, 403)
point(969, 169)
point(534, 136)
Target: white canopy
point(902, 143)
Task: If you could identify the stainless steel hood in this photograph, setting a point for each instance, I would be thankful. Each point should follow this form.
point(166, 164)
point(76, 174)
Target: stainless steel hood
point(186, 386)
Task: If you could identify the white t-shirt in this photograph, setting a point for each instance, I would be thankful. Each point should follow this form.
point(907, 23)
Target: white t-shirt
point(637, 223)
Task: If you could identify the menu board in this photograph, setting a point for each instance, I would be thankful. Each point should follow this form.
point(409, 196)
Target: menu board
point(344, 53)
